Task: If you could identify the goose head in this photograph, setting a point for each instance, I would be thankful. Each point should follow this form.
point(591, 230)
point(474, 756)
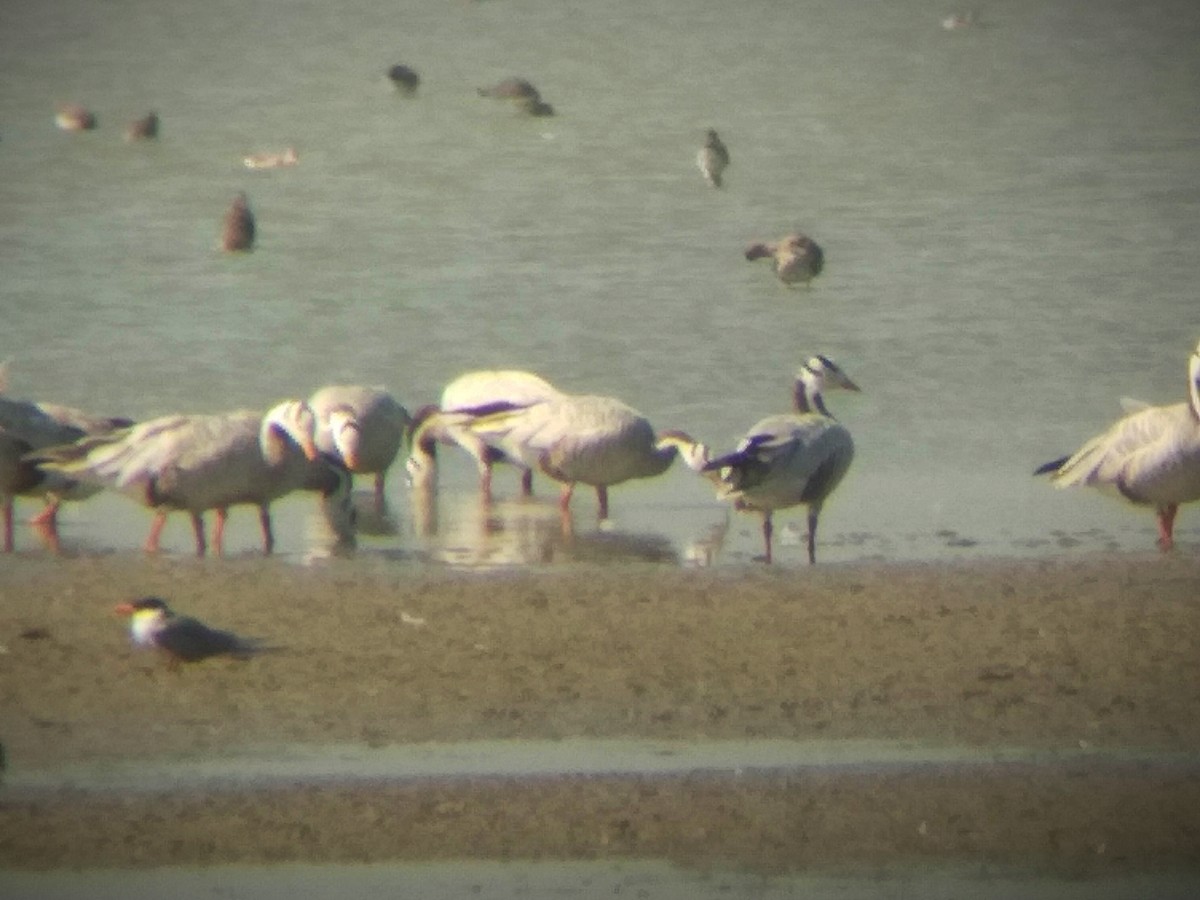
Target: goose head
point(346, 434)
point(291, 422)
point(815, 376)
point(337, 503)
point(424, 433)
point(694, 454)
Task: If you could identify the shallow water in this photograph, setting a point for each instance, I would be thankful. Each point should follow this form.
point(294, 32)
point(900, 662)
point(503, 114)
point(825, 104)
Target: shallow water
point(347, 764)
point(533, 881)
point(1007, 210)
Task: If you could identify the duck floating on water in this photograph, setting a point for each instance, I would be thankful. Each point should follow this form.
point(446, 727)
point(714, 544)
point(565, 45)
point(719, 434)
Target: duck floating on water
point(238, 228)
point(282, 160)
point(797, 258)
point(404, 79)
point(521, 94)
point(74, 117)
point(713, 158)
point(143, 129)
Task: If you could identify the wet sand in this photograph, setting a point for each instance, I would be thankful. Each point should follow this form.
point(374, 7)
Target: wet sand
point(1092, 663)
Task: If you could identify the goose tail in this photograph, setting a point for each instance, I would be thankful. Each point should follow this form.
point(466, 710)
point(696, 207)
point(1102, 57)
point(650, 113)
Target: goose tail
point(1051, 467)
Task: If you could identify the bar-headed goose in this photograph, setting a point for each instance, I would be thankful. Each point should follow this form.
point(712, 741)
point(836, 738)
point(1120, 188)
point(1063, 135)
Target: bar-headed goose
point(584, 439)
point(27, 426)
point(1151, 457)
point(364, 427)
point(791, 459)
point(469, 396)
point(195, 463)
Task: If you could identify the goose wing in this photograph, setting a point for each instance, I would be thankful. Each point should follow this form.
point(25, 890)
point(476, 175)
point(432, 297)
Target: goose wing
point(785, 460)
point(163, 449)
point(485, 387)
point(1143, 455)
point(17, 475)
point(590, 439)
point(33, 424)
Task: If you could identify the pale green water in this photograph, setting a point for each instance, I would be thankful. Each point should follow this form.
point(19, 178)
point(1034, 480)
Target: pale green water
point(1008, 211)
point(350, 763)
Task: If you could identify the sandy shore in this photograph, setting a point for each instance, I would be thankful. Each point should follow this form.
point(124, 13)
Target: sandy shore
point(1084, 656)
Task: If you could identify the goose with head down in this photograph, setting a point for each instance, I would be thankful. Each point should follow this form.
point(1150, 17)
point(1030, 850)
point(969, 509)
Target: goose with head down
point(362, 426)
point(1150, 457)
point(469, 396)
point(793, 459)
point(584, 439)
point(196, 463)
point(27, 426)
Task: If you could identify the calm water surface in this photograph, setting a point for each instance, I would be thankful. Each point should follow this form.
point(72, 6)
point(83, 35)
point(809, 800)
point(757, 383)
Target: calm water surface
point(1008, 211)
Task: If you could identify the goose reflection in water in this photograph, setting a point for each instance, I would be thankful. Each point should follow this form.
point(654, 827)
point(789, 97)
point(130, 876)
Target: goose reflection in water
point(460, 529)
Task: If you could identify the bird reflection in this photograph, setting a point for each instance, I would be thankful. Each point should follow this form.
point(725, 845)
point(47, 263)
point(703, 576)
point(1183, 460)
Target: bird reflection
point(374, 518)
point(703, 550)
point(461, 529)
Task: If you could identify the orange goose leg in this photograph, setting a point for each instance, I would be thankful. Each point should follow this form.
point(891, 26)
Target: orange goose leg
point(1166, 526)
point(45, 524)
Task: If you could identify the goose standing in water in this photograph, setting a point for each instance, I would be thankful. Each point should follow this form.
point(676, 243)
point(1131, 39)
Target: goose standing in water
point(1151, 457)
point(713, 158)
point(797, 258)
point(580, 439)
point(195, 463)
point(469, 396)
point(791, 459)
point(238, 227)
point(25, 427)
point(362, 426)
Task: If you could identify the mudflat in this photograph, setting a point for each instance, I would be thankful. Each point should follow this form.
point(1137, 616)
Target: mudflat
point(1093, 663)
